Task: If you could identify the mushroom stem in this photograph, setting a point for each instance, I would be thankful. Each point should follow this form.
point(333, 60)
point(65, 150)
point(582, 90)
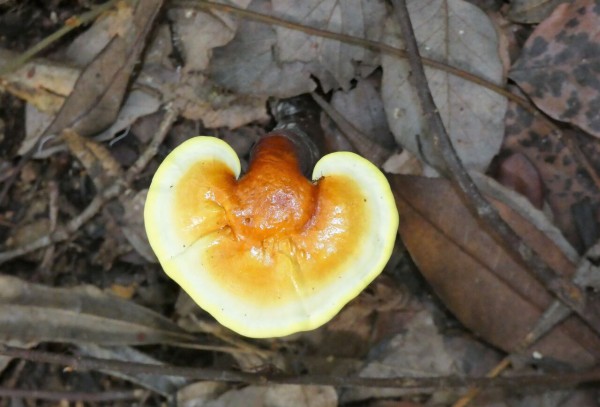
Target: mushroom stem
point(305, 152)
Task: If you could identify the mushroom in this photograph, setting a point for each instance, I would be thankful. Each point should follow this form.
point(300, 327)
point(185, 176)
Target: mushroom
point(269, 253)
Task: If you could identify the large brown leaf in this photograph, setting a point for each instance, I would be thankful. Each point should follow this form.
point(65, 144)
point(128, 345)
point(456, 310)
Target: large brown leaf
point(487, 289)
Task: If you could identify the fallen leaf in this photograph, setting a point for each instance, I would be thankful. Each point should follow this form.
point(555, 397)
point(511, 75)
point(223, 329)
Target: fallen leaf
point(422, 350)
point(133, 225)
point(478, 280)
point(519, 174)
point(96, 99)
point(164, 385)
point(88, 45)
point(204, 100)
point(249, 65)
point(35, 313)
point(136, 105)
point(40, 75)
point(199, 393)
point(558, 67)
point(461, 35)
point(531, 11)
point(327, 57)
point(199, 32)
point(99, 163)
point(362, 106)
point(281, 395)
point(566, 183)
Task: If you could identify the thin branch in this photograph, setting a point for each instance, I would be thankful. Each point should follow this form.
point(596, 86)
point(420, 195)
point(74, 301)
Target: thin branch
point(388, 49)
point(113, 191)
point(25, 57)
point(71, 24)
point(113, 395)
point(564, 289)
point(423, 384)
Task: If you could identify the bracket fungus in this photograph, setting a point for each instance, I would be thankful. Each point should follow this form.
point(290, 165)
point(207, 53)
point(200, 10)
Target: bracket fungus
point(269, 253)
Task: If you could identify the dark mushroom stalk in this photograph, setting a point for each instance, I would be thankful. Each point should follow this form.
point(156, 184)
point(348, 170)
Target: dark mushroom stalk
point(271, 252)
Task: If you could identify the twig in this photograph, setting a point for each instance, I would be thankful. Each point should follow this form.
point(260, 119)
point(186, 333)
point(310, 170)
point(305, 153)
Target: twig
point(172, 110)
point(564, 289)
point(569, 293)
point(553, 315)
point(423, 384)
point(48, 257)
point(113, 191)
point(70, 25)
point(22, 59)
point(107, 396)
point(388, 49)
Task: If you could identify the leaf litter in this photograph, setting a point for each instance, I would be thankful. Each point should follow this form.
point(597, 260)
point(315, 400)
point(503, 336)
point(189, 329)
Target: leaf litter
point(109, 86)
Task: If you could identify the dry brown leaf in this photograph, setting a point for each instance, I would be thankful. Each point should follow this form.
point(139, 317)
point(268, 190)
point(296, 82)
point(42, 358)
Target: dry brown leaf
point(362, 106)
point(41, 82)
point(133, 225)
point(531, 11)
point(461, 35)
point(137, 104)
point(99, 163)
point(518, 173)
point(277, 395)
point(204, 100)
point(165, 385)
point(458, 257)
point(327, 58)
point(96, 99)
point(35, 313)
point(199, 32)
point(422, 350)
point(558, 68)
point(83, 49)
point(357, 328)
point(565, 180)
point(249, 64)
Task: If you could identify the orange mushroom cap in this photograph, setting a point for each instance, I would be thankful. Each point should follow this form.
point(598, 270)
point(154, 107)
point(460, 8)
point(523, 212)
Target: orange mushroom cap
point(271, 253)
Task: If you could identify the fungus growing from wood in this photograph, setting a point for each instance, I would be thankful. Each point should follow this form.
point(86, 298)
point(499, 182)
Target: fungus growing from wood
point(269, 253)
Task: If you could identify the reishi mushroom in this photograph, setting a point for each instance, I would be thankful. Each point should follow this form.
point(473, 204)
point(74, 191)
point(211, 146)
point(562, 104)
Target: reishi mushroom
point(270, 253)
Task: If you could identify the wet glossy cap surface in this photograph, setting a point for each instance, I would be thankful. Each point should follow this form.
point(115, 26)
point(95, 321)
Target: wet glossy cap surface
point(271, 253)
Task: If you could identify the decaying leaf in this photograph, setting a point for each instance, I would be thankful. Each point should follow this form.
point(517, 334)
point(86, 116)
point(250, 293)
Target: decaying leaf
point(459, 34)
point(565, 180)
point(328, 58)
point(96, 99)
point(558, 68)
point(283, 395)
point(99, 163)
point(133, 225)
point(115, 22)
point(34, 313)
point(164, 385)
point(199, 32)
point(531, 11)
point(41, 82)
point(249, 65)
point(477, 279)
point(204, 100)
point(363, 107)
point(422, 350)
point(136, 105)
point(518, 173)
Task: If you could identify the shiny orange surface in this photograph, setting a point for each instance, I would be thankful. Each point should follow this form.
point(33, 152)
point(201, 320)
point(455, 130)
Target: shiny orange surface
point(277, 236)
